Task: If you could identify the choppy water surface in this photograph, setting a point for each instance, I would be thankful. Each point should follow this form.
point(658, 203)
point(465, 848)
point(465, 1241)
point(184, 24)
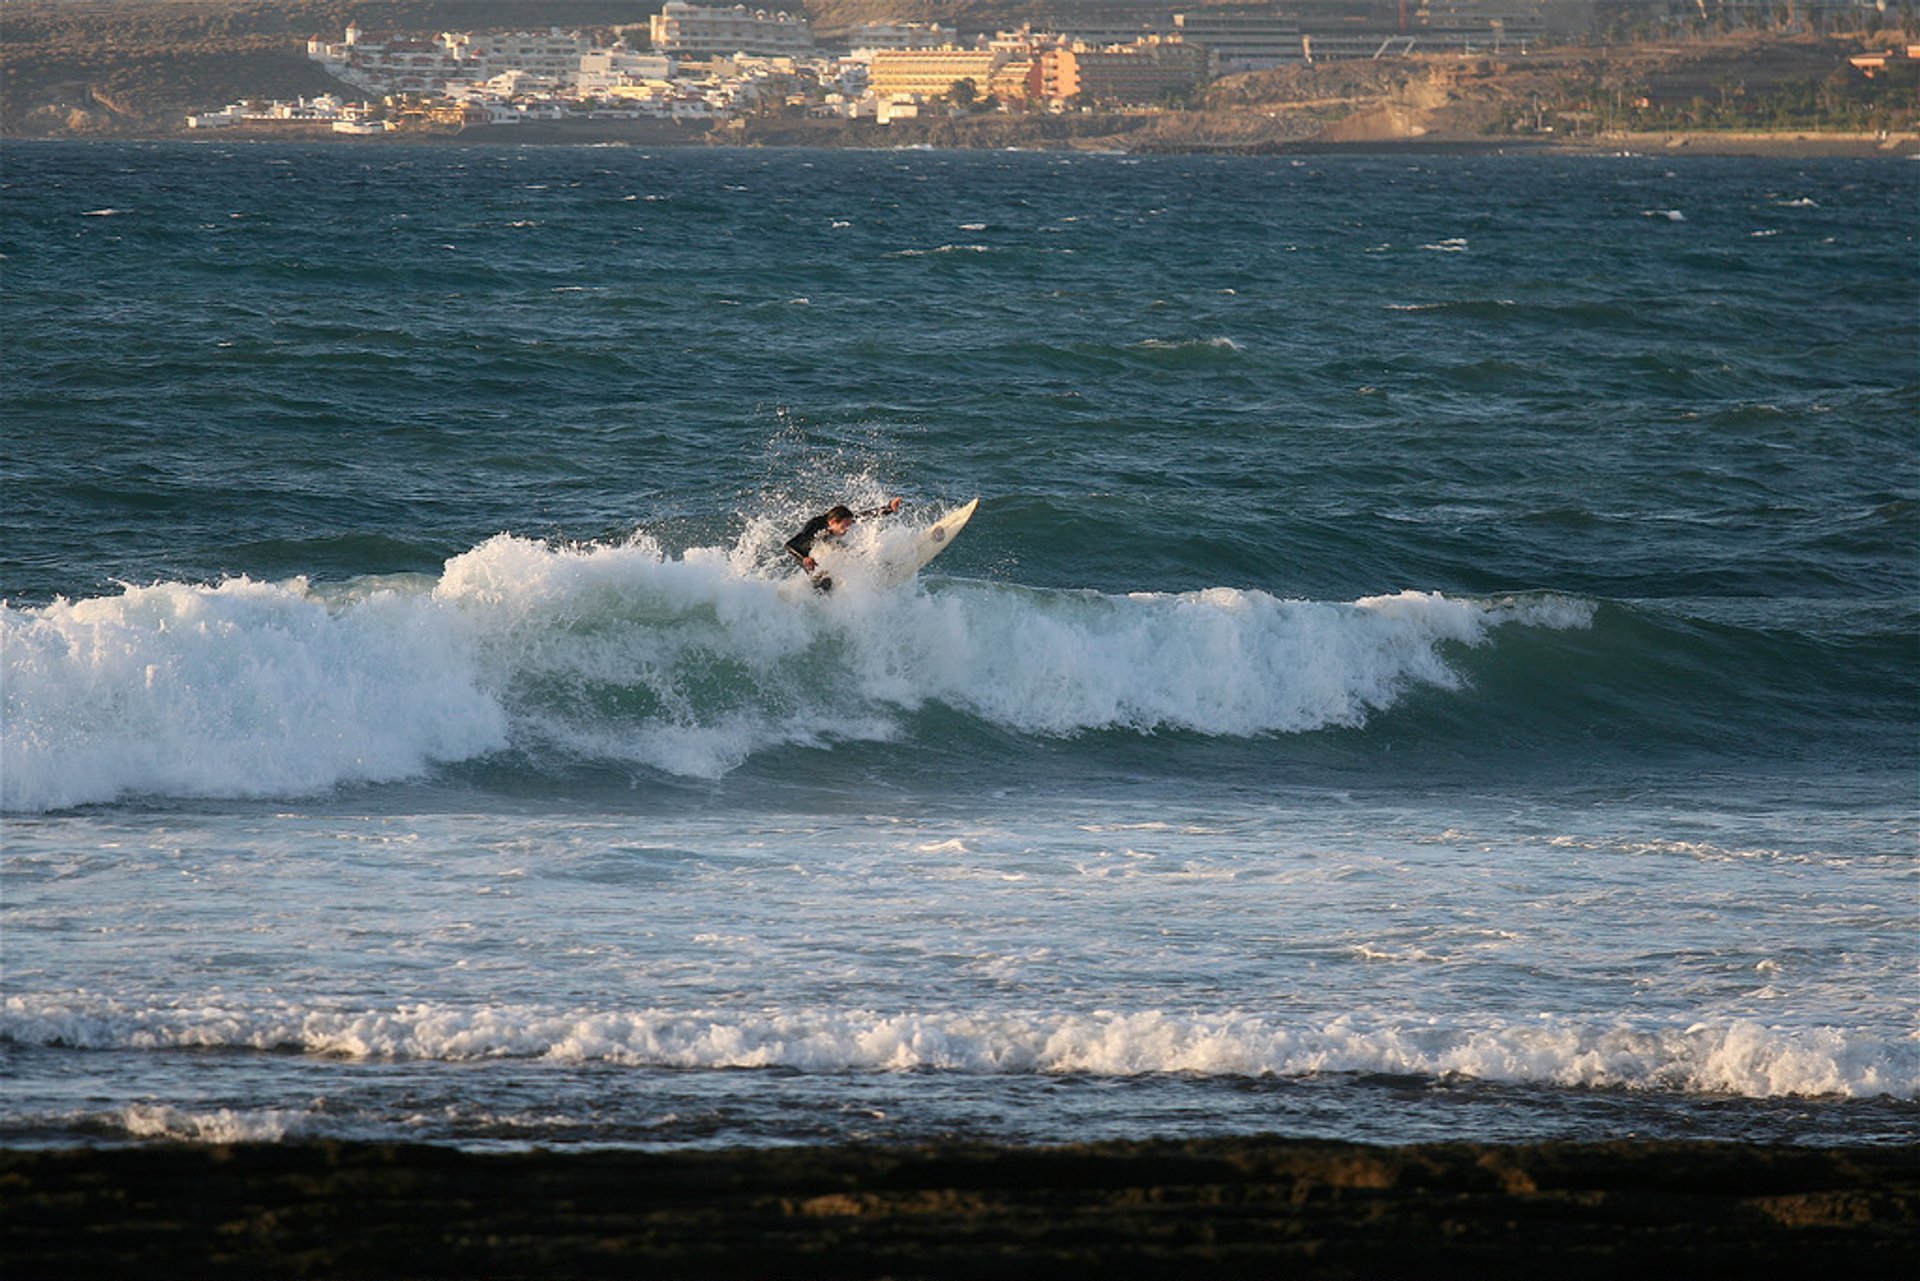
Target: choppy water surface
point(1434, 659)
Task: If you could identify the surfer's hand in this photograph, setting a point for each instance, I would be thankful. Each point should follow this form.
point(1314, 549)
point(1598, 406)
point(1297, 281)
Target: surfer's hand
point(894, 506)
point(807, 561)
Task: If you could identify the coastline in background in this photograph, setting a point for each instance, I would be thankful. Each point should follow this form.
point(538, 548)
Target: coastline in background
point(137, 71)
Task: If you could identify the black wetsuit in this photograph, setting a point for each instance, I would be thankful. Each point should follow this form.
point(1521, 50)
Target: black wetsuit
point(801, 544)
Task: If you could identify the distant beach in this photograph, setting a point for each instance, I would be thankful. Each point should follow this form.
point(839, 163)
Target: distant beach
point(1001, 133)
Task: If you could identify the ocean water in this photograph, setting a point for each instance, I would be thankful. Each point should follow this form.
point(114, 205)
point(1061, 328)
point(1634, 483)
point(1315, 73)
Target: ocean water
point(1435, 657)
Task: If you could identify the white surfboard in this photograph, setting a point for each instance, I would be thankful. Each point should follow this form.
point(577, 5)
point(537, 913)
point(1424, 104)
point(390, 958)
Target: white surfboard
point(900, 560)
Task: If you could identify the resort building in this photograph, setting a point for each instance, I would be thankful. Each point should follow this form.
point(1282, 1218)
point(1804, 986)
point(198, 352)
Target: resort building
point(1016, 81)
point(1242, 39)
point(552, 56)
point(899, 35)
point(690, 31)
point(604, 70)
point(1432, 26)
point(1091, 30)
point(932, 73)
point(302, 114)
point(411, 65)
point(393, 65)
point(1137, 74)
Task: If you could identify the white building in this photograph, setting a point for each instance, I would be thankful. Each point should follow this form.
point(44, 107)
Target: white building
point(553, 54)
point(553, 58)
point(1090, 31)
point(696, 31)
point(900, 35)
point(618, 67)
point(307, 111)
point(515, 83)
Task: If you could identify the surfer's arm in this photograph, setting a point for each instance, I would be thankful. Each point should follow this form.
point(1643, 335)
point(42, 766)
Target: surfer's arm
point(885, 510)
point(801, 544)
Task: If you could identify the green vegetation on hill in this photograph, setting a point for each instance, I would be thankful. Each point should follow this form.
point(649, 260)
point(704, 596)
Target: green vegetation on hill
point(1833, 102)
point(1732, 84)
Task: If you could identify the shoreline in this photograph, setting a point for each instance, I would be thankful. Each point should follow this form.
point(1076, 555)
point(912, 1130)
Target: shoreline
point(1797, 145)
point(1219, 1207)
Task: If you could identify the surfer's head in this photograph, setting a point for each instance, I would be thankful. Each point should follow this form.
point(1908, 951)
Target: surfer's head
point(840, 519)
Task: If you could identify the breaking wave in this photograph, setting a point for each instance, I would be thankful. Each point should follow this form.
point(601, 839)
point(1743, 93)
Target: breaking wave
point(688, 664)
point(1733, 1057)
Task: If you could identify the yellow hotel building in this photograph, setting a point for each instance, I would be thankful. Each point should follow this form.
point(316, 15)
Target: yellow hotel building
point(1017, 80)
point(931, 73)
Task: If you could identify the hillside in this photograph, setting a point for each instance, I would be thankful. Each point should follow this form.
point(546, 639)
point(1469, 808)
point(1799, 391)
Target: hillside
point(1726, 82)
point(135, 67)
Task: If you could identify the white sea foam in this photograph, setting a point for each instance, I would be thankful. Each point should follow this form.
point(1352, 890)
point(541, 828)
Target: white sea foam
point(1449, 306)
point(159, 1121)
point(689, 664)
point(943, 249)
point(1189, 344)
point(1732, 1057)
point(245, 689)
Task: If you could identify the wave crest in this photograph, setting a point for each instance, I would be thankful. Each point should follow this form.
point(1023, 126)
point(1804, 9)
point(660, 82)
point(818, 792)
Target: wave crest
point(244, 689)
point(688, 664)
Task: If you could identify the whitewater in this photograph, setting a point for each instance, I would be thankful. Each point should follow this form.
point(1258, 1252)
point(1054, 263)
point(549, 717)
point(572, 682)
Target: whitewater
point(683, 664)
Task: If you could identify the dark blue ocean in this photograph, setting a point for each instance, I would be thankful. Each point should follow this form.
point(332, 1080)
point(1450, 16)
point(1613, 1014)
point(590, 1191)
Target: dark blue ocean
point(1436, 655)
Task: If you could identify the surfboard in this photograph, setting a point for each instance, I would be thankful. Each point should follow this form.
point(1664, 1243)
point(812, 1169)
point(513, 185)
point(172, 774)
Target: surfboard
point(899, 561)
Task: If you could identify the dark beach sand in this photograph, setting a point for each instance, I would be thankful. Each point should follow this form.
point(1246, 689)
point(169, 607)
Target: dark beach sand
point(1265, 1207)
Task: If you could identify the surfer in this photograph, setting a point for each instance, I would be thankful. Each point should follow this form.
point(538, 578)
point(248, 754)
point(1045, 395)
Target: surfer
point(832, 523)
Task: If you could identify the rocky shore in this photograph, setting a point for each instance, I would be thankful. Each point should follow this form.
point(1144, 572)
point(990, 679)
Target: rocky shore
point(1171, 135)
point(1217, 1208)
point(1222, 133)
